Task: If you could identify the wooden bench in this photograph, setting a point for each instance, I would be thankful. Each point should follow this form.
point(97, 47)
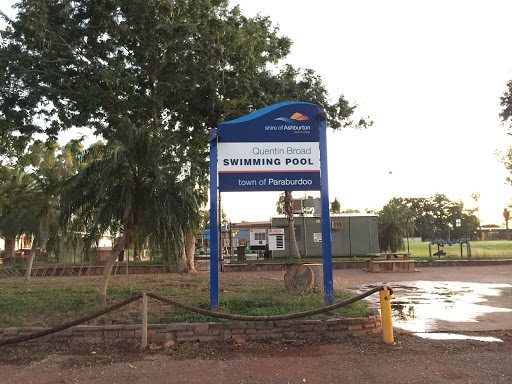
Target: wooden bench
point(400, 255)
point(403, 264)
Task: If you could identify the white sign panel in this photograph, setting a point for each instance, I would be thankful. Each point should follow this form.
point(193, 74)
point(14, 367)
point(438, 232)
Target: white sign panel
point(258, 237)
point(276, 239)
point(317, 237)
point(266, 157)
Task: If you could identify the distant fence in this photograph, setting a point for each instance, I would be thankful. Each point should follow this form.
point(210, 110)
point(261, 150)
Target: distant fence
point(96, 270)
point(413, 240)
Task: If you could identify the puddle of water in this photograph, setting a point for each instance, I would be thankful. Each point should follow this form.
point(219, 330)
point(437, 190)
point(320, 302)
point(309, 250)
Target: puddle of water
point(455, 336)
point(420, 306)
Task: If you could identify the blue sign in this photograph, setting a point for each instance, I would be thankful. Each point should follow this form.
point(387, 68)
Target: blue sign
point(279, 148)
point(274, 149)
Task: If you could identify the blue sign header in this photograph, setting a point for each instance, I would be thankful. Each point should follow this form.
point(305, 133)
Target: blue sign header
point(283, 122)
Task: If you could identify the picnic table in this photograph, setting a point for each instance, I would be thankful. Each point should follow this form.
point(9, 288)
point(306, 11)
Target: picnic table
point(395, 262)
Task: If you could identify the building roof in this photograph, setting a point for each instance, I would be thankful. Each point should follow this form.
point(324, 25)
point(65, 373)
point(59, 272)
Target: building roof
point(332, 215)
point(252, 224)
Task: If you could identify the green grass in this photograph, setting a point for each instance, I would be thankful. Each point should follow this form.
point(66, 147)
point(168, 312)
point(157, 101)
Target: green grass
point(50, 302)
point(479, 250)
point(19, 303)
point(278, 303)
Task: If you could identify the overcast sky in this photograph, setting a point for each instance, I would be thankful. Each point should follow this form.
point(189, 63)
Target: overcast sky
point(429, 74)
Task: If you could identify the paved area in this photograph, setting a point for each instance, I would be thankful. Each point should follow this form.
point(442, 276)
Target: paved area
point(473, 294)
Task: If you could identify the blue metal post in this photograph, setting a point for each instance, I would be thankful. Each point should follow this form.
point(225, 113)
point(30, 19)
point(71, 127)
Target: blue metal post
point(214, 224)
point(326, 217)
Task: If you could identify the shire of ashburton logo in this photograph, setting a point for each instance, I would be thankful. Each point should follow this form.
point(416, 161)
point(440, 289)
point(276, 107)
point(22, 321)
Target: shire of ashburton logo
point(295, 117)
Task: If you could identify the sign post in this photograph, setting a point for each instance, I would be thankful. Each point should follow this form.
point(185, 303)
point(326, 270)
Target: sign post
point(279, 148)
point(326, 216)
point(214, 223)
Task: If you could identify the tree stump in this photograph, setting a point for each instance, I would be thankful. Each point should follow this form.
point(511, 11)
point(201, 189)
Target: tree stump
point(299, 279)
point(318, 281)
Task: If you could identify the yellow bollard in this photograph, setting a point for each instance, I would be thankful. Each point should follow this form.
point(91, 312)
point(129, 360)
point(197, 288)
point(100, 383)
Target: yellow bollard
point(385, 310)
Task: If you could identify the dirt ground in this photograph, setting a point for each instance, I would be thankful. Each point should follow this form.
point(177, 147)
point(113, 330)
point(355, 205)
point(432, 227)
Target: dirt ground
point(355, 360)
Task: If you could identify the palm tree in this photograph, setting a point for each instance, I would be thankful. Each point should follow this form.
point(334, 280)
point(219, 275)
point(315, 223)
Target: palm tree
point(30, 212)
point(15, 209)
point(131, 186)
point(32, 206)
point(394, 224)
point(288, 209)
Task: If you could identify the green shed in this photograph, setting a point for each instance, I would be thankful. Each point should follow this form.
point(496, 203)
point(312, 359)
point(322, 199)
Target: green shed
point(351, 235)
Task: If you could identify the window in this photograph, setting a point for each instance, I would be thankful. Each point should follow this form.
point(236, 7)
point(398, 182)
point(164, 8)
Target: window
point(259, 236)
point(338, 224)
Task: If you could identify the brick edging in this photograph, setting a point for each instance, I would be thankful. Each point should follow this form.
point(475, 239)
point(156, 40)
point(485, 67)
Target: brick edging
point(209, 332)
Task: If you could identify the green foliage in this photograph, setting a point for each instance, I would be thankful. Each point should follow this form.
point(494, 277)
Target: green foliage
point(351, 211)
point(164, 70)
point(29, 191)
point(506, 104)
point(335, 206)
point(280, 204)
point(179, 65)
point(395, 223)
point(436, 218)
point(132, 185)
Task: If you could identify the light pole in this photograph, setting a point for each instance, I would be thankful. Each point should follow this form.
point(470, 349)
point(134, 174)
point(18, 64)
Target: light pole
point(407, 231)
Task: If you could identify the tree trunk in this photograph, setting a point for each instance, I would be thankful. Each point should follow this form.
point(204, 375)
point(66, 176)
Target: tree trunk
point(101, 294)
point(28, 271)
point(136, 252)
point(181, 265)
point(294, 249)
point(190, 249)
point(508, 233)
point(9, 249)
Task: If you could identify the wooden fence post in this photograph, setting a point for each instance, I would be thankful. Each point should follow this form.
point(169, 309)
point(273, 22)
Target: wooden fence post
point(144, 341)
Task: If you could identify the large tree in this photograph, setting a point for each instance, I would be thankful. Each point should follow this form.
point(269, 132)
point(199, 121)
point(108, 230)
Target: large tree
point(168, 68)
point(437, 217)
point(131, 187)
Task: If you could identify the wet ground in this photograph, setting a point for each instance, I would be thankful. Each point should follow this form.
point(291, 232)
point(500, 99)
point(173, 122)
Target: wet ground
point(447, 300)
point(433, 309)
